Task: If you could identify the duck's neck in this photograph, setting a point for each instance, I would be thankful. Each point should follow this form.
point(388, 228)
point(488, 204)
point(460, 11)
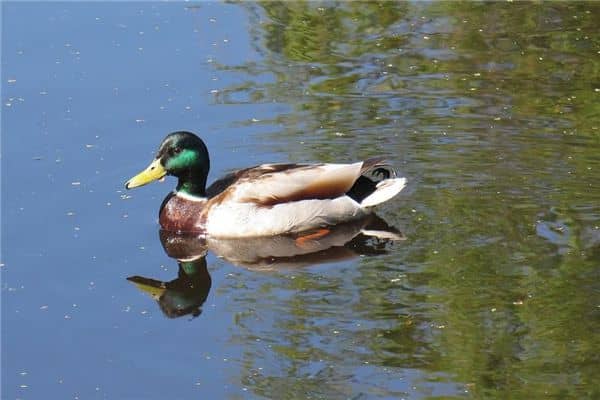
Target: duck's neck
point(193, 183)
point(191, 188)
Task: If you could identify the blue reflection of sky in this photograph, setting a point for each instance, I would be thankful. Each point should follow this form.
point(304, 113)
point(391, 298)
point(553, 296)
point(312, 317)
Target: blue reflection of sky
point(88, 91)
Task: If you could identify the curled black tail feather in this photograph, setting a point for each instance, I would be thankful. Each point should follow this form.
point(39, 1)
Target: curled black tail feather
point(373, 171)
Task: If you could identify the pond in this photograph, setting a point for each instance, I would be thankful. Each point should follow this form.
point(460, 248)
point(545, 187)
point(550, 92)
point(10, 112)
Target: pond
point(490, 110)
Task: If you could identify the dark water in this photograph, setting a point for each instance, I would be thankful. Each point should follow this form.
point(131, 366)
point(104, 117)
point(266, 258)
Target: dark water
point(491, 110)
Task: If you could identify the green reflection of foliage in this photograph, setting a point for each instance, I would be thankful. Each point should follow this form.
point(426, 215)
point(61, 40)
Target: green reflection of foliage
point(494, 109)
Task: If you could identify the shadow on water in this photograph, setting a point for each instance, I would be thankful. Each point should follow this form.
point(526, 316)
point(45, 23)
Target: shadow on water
point(186, 294)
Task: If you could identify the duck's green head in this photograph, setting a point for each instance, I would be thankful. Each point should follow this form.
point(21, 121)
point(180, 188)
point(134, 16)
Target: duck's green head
point(181, 154)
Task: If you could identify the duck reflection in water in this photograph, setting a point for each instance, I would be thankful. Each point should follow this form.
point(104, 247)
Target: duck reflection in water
point(185, 294)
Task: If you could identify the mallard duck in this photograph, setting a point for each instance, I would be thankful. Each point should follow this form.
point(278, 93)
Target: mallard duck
point(264, 200)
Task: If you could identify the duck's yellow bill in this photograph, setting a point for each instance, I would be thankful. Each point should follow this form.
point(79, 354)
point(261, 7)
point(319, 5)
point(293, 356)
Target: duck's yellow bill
point(154, 171)
point(149, 286)
point(154, 292)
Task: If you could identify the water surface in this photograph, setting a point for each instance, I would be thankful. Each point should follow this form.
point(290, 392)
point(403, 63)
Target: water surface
point(491, 110)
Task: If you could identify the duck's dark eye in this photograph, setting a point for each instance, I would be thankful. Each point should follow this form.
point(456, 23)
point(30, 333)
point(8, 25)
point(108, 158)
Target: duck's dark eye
point(177, 150)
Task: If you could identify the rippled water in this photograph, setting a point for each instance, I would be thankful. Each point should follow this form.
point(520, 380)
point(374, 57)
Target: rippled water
point(491, 110)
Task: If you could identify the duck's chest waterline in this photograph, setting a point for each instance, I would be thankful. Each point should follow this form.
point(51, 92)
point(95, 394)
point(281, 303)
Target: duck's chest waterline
point(183, 213)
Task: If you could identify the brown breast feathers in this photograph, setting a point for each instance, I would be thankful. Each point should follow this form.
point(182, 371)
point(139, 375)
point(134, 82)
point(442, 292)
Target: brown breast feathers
point(180, 214)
